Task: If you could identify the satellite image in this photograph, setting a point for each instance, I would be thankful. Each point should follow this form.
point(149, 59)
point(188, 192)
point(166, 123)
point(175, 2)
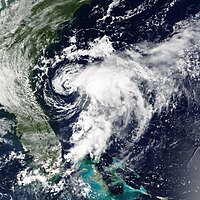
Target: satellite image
point(99, 99)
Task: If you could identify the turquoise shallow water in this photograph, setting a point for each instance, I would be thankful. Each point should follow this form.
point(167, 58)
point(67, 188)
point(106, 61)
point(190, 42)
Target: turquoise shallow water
point(98, 189)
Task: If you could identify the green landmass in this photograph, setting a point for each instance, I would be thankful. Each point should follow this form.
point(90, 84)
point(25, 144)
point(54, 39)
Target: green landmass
point(33, 35)
point(40, 28)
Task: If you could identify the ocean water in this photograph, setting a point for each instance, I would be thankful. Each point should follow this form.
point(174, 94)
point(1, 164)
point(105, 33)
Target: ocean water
point(105, 97)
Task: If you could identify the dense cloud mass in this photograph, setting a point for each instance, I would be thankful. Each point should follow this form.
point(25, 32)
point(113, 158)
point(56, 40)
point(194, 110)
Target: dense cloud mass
point(119, 86)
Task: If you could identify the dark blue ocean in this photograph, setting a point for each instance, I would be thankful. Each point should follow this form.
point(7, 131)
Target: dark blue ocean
point(166, 155)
